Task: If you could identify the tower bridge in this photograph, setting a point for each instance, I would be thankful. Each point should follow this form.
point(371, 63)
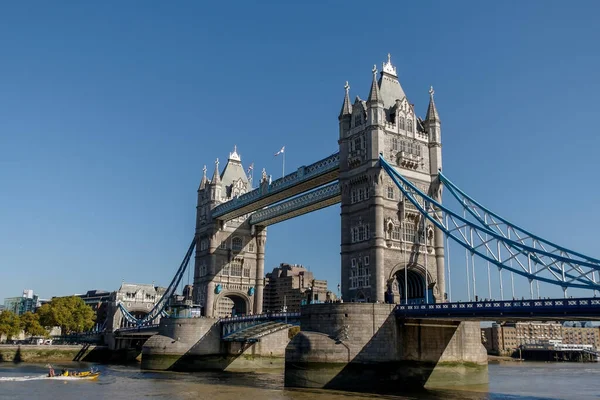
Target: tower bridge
point(398, 321)
point(232, 217)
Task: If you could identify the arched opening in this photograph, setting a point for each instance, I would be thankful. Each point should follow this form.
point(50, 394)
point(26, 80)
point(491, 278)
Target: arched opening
point(231, 305)
point(411, 287)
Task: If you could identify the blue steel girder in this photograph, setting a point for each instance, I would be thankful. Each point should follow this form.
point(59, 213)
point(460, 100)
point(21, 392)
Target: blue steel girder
point(308, 202)
point(541, 309)
point(161, 304)
point(482, 237)
point(511, 231)
point(303, 179)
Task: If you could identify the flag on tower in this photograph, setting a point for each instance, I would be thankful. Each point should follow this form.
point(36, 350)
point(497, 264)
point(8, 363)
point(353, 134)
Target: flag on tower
point(280, 151)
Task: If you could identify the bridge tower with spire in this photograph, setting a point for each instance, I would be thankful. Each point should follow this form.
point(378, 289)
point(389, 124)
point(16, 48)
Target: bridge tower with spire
point(229, 263)
point(388, 252)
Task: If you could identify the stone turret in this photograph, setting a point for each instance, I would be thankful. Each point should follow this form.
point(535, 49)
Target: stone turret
point(381, 237)
point(374, 102)
point(433, 127)
point(228, 253)
point(345, 116)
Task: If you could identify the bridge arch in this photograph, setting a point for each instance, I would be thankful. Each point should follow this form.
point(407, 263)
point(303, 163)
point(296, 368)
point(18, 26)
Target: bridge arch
point(407, 280)
point(232, 303)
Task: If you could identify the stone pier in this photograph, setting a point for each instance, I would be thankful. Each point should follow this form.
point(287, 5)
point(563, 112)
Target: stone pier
point(363, 347)
point(194, 344)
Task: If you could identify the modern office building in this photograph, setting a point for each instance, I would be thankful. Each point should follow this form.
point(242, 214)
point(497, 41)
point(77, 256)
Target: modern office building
point(20, 305)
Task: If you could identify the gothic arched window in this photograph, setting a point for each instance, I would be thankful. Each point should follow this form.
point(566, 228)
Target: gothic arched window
point(236, 267)
point(409, 125)
point(236, 244)
point(401, 122)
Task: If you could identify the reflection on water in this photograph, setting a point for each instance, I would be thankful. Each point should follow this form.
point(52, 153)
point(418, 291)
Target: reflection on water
point(523, 381)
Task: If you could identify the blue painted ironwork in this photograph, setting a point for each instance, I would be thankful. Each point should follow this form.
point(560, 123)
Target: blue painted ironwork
point(509, 230)
point(484, 310)
point(161, 304)
point(303, 174)
point(557, 266)
point(304, 201)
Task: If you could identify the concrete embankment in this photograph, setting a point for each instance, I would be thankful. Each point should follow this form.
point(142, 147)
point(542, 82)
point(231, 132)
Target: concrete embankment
point(46, 353)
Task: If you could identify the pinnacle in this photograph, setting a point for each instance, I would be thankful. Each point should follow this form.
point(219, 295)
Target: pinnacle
point(374, 92)
point(432, 114)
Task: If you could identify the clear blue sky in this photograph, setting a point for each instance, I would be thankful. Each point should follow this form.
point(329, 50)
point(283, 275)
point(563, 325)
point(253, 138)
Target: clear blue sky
point(108, 111)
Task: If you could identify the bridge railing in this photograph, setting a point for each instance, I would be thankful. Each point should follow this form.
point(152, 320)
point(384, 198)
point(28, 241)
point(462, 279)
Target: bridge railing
point(260, 317)
point(533, 306)
point(141, 328)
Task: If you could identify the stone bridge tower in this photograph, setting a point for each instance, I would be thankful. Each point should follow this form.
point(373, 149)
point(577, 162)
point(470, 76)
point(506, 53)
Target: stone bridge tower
point(388, 252)
point(229, 264)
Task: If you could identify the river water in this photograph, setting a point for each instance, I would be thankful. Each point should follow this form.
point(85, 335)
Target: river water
point(530, 381)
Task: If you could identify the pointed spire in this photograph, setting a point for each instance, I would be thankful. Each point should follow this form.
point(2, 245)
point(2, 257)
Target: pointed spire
point(204, 181)
point(432, 114)
point(374, 93)
point(346, 106)
point(216, 178)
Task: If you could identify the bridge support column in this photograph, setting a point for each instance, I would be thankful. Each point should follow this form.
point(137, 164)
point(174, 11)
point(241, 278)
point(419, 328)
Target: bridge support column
point(380, 282)
point(365, 348)
point(210, 300)
point(261, 238)
point(439, 260)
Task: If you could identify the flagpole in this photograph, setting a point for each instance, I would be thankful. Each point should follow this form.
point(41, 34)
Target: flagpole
point(283, 165)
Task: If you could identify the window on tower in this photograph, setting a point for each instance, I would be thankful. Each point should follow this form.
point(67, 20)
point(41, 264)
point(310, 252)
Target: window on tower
point(360, 273)
point(410, 231)
point(360, 233)
point(353, 196)
point(237, 244)
point(390, 193)
point(236, 267)
point(203, 244)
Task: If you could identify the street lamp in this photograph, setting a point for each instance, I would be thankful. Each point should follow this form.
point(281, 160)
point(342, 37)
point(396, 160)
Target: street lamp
point(338, 287)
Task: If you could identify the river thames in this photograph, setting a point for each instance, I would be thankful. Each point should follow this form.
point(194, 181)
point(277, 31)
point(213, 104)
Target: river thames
point(507, 381)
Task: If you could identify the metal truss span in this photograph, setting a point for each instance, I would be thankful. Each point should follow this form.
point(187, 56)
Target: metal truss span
point(312, 201)
point(159, 307)
point(303, 179)
point(489, 237)
point(546, 309)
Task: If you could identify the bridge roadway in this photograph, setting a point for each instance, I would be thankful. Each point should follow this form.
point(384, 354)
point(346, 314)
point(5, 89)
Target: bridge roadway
point(568, 309)
point(137, 332)
point(302, 180)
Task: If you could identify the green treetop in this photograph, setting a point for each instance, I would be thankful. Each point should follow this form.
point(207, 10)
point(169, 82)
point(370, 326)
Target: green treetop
point(9, 324)
point(71, 314)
